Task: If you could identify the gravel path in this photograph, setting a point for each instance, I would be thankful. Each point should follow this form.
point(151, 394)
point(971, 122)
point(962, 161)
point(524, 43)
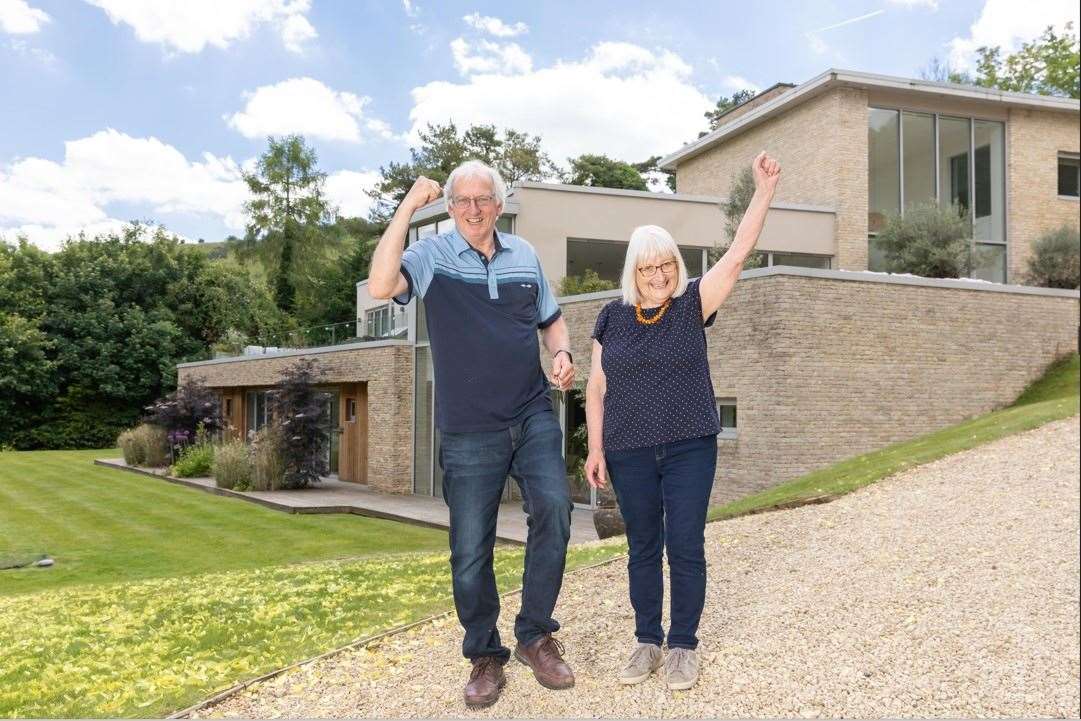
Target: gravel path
point(948, 590)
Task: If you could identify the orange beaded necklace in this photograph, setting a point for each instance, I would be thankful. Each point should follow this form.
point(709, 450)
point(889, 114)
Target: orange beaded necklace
point(650, 321)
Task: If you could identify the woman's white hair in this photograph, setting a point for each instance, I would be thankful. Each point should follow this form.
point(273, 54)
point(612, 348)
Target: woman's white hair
point(475, 169)
point(651, 243)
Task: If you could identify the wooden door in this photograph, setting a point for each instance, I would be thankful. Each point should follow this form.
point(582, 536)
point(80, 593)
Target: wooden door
point(353, 454)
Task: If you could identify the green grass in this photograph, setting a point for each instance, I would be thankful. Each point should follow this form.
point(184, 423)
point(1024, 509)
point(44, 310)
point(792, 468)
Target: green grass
point(151, 647)
point(102, 525)
point(163, 594)
point(1052, 397)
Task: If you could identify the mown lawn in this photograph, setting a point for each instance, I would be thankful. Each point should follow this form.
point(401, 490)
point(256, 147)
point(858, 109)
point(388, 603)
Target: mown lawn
point(102, 525)
point(163, 595)
point(1055, 395)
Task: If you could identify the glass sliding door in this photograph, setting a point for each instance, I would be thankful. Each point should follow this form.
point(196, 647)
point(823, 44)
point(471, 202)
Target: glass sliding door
point(989, 201)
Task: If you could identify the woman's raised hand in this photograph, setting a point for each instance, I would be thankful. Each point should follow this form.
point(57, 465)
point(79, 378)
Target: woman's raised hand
point(767, 172)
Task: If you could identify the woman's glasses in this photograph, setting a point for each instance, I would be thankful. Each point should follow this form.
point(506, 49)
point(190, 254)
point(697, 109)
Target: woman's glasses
point(648, 271)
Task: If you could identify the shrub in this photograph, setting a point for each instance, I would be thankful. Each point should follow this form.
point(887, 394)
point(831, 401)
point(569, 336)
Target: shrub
point(928, 240)
point(232, 466)
point(1056, 259)
point(132, 447)
point(587, 282)
point(144, 445)
point(267, 464)
point(195, 460)
point(192, 404)
point(301, 413)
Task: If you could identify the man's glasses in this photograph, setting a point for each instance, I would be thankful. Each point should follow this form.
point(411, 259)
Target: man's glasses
point(462, 202)
point(649, 271)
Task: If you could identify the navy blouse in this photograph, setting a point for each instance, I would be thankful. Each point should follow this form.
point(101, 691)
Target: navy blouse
point(657, 376)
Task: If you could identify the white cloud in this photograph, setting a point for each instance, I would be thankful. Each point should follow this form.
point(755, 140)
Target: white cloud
point(308, 107)
point(18, 18)
point(347, 189)
point(909, 4)
point(47, 200)
point(738, 82)
point(489, 57)
point(411, 9)
point(495, 26)
point(188, 26)
point(1009, 24)
point(621, 100)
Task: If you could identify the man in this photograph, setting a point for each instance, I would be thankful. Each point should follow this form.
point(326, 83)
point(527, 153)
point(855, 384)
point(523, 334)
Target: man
point(485, 296)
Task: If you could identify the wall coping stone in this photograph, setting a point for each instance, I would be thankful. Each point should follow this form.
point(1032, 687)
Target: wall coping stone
point(300, 351)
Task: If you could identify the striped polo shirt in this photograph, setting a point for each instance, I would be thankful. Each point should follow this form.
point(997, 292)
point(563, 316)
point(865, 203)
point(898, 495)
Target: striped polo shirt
point(483, 318)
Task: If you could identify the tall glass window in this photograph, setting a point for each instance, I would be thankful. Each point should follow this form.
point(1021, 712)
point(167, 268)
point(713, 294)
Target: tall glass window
point(989, 201)
point(953, 163)
point(918, 144)
point(884, 168)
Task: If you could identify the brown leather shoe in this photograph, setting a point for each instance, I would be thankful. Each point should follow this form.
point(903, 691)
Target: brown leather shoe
point(486, 680)
point(545, 657)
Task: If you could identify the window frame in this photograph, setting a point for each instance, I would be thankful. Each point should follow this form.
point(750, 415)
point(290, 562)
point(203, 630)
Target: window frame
point(727, 432)
point(1076, 158)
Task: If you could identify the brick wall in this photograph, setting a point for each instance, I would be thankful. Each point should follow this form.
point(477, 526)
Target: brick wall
point(823, 369)
point(822, 147)
point(1033, 141)
point(388, 372)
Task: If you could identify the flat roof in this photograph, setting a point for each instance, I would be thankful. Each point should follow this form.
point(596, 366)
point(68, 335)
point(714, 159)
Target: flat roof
point(851, 78)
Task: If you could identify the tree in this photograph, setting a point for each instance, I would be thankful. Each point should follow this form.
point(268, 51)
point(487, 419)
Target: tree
point(602, 172)
point(301, 412)
point(653, 173)
point(517, 156)
point(110, 317)
point(734, 207)
point(724, 104)
point(1047, 65)
point(287, 205)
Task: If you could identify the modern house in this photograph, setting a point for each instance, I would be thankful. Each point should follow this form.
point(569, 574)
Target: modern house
point(813, 358)
point(868, 146)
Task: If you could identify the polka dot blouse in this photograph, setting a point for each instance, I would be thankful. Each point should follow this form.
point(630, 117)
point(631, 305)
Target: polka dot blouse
point(657, 376)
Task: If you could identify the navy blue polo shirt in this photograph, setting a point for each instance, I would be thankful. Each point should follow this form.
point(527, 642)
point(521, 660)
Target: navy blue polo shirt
point(483, 318)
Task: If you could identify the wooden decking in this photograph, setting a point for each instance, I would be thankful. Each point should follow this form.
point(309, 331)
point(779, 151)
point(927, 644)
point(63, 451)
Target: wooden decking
point(334, 496)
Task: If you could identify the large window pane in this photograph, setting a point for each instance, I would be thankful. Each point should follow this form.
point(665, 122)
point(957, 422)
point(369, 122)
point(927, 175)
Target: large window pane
point(605, 258)
point(1069, 176)
point(876, 257)
point(883, 169)
point(919, 158)
point(505, 224)
point(953, 162)
point(444, 226)
point(422, 424)
point(801, 260)
point(989, 200)
point(990, 262)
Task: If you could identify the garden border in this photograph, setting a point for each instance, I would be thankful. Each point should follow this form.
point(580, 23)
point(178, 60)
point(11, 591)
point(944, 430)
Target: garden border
point(358, 643)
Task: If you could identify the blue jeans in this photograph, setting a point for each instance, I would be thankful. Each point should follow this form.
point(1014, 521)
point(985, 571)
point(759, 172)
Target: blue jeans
point(475, 469)
point(663, 493)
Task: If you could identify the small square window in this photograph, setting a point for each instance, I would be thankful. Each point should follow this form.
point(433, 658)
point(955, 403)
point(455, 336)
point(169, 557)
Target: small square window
point(726, 411)
point(1069, 175)
point(351, 410)
point(228, 407)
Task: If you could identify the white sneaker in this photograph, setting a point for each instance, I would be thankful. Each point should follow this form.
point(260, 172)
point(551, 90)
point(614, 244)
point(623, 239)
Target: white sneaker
point(645, 659)
point(681, 668)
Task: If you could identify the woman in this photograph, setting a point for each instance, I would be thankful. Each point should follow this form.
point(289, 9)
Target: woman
point(652, 421)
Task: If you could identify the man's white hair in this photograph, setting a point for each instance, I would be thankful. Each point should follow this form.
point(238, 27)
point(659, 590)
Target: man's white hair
point(651, 244)
point(475, 169)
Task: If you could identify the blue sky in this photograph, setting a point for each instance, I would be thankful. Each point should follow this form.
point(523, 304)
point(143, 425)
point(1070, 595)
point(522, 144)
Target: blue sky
point(121, 109)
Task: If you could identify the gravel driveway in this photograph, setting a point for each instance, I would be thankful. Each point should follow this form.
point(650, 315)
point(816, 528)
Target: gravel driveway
point(948, 590)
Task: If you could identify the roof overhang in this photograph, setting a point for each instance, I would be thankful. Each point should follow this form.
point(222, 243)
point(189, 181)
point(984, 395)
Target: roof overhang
point(834, 78)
